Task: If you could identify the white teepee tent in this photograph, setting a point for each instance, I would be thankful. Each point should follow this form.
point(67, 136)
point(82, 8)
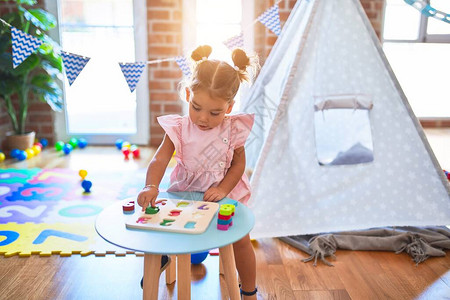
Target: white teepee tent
point(328, 63)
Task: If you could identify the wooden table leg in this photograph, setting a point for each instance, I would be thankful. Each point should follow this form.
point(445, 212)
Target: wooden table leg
point(229, 269)
point(171, 271)
point(220, 266)
point(184, 276)
point(152, 263)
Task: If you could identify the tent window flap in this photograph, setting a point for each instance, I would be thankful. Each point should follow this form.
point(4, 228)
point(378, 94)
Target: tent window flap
point(343, 129)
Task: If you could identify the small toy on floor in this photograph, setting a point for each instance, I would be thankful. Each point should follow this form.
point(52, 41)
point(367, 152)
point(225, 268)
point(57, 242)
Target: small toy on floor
point(86, 184)
point(83, 174)
point(198, 258)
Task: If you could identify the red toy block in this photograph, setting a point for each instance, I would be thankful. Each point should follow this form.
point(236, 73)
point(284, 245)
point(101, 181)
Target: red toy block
point(128, 206)
point(221, 217)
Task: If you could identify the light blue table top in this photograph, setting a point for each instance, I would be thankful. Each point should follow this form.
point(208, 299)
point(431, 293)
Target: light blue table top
point(110, 225)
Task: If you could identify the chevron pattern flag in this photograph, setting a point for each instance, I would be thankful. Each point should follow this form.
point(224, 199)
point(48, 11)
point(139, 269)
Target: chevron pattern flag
point(184, 65)
point(271, 19)
point(23, 45)
point(236, 41)
point(73, 64)
point(132, 73)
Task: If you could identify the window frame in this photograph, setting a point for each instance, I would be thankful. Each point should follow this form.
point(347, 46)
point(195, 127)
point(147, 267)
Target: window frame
point(142, 135)
point(423, 36)
point(190, 36)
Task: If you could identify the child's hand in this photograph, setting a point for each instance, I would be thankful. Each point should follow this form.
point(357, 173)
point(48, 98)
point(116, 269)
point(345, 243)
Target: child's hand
point(214, 194)
point(147, 197)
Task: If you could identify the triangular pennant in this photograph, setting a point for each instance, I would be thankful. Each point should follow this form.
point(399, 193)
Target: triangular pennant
point(271, 19)
point(236, 41)
point(73, 65)
point(184, 65)
point(23, 45)
point(132, 73)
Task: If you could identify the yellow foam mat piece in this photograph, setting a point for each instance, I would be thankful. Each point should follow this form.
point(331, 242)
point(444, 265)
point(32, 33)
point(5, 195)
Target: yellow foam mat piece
point(61, 239)
point(47, 239)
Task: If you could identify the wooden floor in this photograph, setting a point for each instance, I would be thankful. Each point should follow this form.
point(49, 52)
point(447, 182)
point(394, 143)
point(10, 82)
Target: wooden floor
point(280, 275)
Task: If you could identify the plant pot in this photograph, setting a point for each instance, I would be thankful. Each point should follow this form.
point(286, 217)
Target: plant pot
point(20, 141)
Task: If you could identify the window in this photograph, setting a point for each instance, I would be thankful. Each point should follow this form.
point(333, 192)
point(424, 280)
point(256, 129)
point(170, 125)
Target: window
point(417, 48)
point(215, 22)
point(99, 104)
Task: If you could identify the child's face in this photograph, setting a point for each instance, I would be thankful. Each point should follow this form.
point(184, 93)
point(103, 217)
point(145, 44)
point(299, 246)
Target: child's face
point(206, 112)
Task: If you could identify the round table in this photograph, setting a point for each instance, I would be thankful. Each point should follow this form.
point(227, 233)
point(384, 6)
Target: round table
point(110, 225)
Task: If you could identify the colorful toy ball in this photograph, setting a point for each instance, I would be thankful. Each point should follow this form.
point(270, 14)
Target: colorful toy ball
point(2, 156)
point(73, 142)
point(136, 153)
point(14, 153)
point(82, 143)
point(67, 148)
point(59, 145)
point(38, 144)
point(22, 155)
point(119, 143)
point(43, 142)
point(37, 149)
point(30, 153)
point(83, 174)
point(198, 258)
point(126, 152)
point(86, 184)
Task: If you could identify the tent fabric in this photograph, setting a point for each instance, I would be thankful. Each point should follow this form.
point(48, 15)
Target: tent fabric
point(419, 243)
point(329, 48)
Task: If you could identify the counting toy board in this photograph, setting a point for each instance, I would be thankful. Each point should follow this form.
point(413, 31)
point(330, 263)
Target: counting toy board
point(175, 215)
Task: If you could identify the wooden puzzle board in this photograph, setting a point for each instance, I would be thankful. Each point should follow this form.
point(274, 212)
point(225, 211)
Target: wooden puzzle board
point(175, 215)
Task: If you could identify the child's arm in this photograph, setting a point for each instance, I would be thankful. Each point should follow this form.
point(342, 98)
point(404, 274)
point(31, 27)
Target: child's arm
point(230, 180)
point(155, 173)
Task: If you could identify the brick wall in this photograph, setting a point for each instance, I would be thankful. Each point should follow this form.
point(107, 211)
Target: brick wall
point(164, 40)
point(265, 39)
point(40, 116)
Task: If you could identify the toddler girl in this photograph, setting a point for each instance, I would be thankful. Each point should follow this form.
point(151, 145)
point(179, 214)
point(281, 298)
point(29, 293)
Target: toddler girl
point(209, 147)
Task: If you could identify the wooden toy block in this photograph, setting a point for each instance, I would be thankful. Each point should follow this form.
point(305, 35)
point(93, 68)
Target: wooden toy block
point(224, 222)
point(222, 227)
point(226, 210)
point(175, 215)
point(221, 217)
point(151, 210)
point(128, 207)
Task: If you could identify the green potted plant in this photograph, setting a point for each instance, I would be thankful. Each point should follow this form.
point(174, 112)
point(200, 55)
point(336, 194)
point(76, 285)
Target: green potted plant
point(36, 77)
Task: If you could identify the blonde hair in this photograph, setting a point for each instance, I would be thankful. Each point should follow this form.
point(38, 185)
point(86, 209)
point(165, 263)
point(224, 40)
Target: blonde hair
point(218, 78)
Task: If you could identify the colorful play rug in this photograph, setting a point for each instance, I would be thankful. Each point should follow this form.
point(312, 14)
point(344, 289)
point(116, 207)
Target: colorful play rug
point(46, 211)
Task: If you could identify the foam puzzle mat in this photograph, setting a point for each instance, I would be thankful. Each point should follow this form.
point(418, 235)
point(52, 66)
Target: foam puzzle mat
point(46, 211)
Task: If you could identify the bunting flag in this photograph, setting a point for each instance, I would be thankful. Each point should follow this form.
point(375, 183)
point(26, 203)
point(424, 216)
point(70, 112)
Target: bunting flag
point(23, 45)
point(271, 19)
point(429, 11)
point(132, 73)
point(73, 64)
point(236, 41)
point(184, 65)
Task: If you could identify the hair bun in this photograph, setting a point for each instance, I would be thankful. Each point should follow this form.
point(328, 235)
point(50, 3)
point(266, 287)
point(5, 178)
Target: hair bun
point(240, 59)
point(200, 52)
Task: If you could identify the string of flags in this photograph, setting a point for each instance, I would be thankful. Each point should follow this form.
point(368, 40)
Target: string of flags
point(428, 11)
point(24, 44)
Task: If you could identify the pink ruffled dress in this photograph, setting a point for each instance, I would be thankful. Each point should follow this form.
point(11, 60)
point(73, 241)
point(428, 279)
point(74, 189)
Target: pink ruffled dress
point(204, 157)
